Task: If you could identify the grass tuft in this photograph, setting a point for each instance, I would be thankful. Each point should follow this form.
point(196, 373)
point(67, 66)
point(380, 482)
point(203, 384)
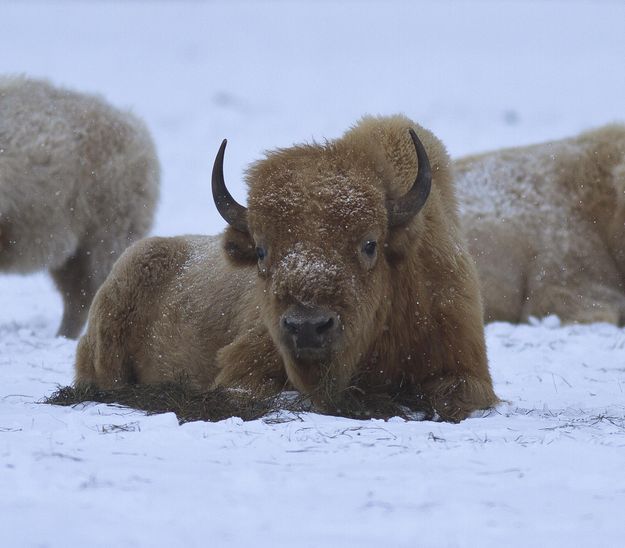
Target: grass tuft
point(190, 404)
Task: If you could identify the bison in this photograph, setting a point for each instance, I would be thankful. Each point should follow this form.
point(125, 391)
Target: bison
point(546, 226)
point(78, 183)
point(346, 271)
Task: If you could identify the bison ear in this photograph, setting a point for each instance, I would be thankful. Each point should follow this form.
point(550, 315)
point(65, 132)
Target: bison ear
point(239, 247)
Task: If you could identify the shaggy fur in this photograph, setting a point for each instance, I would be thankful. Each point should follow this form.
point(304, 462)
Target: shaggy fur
point(546, 226)
point(411, 317)
point(78, 184)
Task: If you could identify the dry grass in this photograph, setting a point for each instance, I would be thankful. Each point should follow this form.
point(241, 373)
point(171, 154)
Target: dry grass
point(190, 404)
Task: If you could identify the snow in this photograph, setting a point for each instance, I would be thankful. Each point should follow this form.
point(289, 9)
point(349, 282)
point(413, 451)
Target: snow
point(306, 274)
point(545, 467)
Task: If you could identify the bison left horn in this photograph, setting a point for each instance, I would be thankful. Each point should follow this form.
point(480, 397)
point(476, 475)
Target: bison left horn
point(402, 210)
point(233, 213)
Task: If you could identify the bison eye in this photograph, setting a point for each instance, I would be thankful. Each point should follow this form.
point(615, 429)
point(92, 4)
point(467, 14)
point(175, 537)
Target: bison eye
point(369, 248)
point(261, 253)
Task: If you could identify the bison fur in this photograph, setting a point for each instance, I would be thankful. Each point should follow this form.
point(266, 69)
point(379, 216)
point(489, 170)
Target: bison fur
point(78, 184)
point(341, 274)
point(546, 226)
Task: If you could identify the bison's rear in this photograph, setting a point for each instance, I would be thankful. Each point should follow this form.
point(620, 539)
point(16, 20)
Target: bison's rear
point(546, 226)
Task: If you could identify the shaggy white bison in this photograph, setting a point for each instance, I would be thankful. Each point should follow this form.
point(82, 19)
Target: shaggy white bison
point(78, 184)
point(344, 271)
point(546, 226)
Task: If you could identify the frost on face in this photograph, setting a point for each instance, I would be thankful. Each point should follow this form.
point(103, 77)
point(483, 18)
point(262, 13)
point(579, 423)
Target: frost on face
point(309, 276)
point(312, 198)
point(343, 202)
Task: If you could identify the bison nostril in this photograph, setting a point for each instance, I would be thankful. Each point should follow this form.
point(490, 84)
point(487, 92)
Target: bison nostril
point(324, 326)
point(290, 326)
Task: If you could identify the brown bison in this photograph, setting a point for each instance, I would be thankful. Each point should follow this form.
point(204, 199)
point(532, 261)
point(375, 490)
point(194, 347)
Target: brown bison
point(344, 272)
point(546, 226)
point(78, 184)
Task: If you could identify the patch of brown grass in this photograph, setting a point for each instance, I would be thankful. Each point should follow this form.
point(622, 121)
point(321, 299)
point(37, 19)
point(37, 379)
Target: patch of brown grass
point(189, 404)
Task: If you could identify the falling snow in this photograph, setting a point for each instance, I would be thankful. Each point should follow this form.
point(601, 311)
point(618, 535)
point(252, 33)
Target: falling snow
point(544, 468)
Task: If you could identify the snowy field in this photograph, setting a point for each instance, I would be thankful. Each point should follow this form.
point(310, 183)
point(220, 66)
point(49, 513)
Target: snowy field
point(546, 468)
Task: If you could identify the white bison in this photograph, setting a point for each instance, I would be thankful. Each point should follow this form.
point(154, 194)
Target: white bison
point(78, 183)
point(546, 226)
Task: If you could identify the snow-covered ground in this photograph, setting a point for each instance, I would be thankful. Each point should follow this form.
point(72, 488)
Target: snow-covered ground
point(546, 467)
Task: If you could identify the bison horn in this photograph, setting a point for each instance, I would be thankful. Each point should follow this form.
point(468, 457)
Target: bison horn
point(233, 213)
point(401, 210)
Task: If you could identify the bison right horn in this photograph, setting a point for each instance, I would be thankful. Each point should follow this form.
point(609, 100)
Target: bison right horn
point(403, 209)
point(233, 213)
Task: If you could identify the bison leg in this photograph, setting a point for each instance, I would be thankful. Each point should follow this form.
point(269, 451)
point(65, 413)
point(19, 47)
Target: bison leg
point(459, 381)
point(455, 397)
point(73, 280)
point(251, 361)
point(578, 280)
point(78, 280)
point(587, 303)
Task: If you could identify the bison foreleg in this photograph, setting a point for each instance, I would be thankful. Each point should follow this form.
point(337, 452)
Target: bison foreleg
point(78, 281)
point(251, 361)
point(455, 397)
point(588, 303)
point(75, 282)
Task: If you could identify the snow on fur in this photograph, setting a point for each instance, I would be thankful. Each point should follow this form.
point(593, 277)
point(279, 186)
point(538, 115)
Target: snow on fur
point(78, 184)
point(545, 469)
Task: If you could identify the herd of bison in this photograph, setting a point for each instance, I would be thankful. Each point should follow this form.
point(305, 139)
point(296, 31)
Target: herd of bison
point(368, 263)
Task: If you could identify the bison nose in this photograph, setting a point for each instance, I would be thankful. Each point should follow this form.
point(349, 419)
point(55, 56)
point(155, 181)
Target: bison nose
point(309, 328)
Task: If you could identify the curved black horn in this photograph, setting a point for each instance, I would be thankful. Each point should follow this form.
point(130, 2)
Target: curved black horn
point(234, 213)
point(403, 209)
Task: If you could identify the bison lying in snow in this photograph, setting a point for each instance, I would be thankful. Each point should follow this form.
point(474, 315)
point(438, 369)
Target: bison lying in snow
point(546, 225)
point(78, 184)
point(340, 273)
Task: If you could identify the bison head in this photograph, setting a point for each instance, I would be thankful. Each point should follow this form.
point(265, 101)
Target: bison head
point(320, 226)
